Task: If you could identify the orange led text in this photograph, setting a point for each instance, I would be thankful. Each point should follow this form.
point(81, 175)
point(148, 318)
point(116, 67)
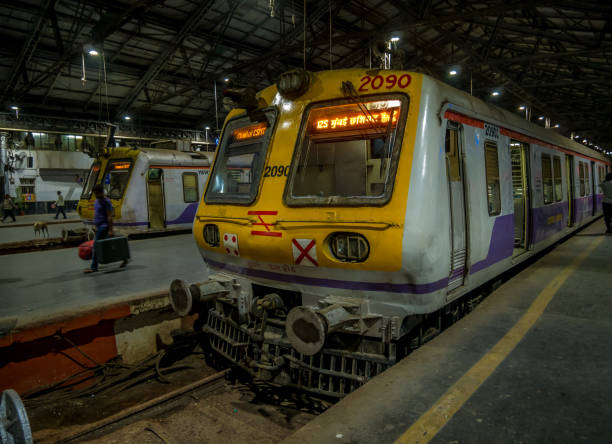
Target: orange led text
point(250, 132)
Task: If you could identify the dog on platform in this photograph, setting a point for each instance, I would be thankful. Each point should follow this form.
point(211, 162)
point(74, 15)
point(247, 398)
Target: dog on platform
point(41, 228)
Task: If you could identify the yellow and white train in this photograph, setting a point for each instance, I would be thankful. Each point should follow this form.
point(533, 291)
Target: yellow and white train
point(150, 189)
point(349, 214)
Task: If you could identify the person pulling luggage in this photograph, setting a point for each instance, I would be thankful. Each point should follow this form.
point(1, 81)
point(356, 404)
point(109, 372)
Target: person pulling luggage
point(103, 220)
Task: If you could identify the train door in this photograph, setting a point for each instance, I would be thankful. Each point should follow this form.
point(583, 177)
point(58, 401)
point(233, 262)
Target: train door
point(456, 188)
point(519, 155)
point(155, 198)
point(569, 167)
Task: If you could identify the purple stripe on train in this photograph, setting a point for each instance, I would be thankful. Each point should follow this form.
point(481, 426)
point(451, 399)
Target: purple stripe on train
point(456, 273)
point(583, 208)
point(407, 288)
point(501, 244)
point(118, 224)
point(187, 216)
point(547, 220)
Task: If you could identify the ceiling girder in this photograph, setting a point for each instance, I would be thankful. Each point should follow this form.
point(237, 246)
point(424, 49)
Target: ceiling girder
point(193, 21)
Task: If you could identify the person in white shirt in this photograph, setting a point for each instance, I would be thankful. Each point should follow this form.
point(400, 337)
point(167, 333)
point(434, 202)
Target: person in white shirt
point(59, 205)
point(606, 187)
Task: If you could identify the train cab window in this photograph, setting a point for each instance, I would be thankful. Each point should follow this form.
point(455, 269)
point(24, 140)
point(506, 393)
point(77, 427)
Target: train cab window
point(347, 153)
point(190, 187)
point(492, 172)
point(116, 177)
point(581, 176)
point(92, 178)
point(240, 159)
point(558, 174)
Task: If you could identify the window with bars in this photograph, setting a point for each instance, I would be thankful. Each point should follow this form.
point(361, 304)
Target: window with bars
point(27, 185)
point(587, 179)
point(190, 187)
point(557, 175)
point(581, 177)
point(492, 172)
point(547, 179)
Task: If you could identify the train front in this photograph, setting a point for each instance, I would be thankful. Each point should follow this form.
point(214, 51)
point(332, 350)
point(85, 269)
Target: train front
point(301, 226)
point(112, 169)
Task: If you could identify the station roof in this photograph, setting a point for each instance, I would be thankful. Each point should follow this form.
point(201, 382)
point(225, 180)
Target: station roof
point(158, 60)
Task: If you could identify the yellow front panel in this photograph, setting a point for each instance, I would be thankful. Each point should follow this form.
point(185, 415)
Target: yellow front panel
point(382, 226)
point(86, 206)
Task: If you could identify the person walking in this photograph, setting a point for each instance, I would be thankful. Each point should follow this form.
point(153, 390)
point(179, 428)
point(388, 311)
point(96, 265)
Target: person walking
point(606, 187)
point(103, 221)
point(59, 205)
point(8, 207)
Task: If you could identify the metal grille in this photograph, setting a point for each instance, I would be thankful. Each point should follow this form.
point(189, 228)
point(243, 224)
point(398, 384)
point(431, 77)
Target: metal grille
point(227, 339)
point(457, 268)
point(334, 373)
point(330, 372)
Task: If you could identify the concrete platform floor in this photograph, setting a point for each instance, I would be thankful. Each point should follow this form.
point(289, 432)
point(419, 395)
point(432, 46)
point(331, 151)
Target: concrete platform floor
point(532, 364)
point(18, 232)
point(35, 286)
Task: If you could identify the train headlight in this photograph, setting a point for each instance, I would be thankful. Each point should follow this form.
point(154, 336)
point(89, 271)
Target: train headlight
point(349, 247)
point(211, 235)
point(292, 84)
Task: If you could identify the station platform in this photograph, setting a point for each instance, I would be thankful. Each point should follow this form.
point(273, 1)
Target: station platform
point(23, 228)
point(56, 321)
point(49, 284)
point(531, 364)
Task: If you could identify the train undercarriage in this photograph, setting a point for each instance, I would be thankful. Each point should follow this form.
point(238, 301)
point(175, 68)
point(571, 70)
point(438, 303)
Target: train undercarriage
point(330, 349)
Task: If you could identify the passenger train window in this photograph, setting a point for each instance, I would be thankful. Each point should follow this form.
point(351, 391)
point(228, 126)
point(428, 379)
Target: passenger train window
point(557, 178)
point(190, 187)
point(547, 179)
point(587, 179)
point(240, 158)
point(116, 177)
point(492, 172)
point(347, 153)
point(581, 176)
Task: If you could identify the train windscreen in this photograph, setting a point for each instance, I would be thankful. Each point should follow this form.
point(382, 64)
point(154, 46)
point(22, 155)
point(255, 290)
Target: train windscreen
point(92, 178)
point(240, 159)
point(347, 153)
point(116, 177)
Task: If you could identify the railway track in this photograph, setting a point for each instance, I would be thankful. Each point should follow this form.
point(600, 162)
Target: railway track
point(222, 406)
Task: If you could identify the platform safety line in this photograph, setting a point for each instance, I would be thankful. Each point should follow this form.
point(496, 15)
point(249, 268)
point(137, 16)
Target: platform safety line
point(432, 421)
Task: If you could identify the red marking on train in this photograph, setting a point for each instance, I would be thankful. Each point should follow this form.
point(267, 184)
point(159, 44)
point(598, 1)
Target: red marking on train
point(265, 224)
point(464, 119)
point(184, 167)
point(267, 233)
point(518, 136)
point(262, 223)
point(304, 252)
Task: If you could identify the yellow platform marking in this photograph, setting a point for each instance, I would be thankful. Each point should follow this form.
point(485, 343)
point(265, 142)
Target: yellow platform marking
point(432, 421)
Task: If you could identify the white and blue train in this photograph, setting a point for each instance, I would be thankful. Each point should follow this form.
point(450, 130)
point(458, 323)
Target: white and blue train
point(150, 189)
